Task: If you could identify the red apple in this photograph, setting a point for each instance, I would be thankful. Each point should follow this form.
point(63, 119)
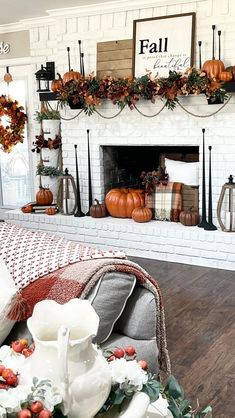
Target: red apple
point(11, 379)
point(118, 352)
point(17, 346)
point(6, 372)
point(24, 341)
point(24, 413)
point(45, 414)
point(111, 358)
point(27, 352)
point(36, 407)
point(143, 364)
point(130, 350)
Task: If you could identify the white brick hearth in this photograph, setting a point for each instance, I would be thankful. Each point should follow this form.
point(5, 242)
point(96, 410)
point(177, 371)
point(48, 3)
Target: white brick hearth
point(155, 240)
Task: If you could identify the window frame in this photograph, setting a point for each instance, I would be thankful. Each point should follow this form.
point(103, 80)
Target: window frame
point(21, 69)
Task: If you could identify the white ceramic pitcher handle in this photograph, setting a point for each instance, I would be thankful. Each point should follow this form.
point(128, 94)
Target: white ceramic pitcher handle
point(63, 341)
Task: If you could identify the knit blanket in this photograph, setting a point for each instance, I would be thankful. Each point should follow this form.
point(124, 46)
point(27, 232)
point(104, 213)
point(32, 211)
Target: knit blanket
point(32, 254)
point(83, 268)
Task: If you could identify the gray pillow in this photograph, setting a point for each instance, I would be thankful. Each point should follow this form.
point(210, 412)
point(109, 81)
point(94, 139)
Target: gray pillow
point(138, 321)
point(109, 299)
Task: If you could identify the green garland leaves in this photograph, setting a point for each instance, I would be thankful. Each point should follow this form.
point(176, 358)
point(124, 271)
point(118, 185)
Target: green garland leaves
point(89, 92)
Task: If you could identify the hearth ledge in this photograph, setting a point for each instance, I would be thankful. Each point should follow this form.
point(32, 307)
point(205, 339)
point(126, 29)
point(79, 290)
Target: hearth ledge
point(166, 241)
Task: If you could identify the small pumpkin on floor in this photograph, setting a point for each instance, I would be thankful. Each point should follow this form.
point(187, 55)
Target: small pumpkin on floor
point(141, 214)
point(51, 211)
point(98, 210)
point(189, 217)
point(27, 208)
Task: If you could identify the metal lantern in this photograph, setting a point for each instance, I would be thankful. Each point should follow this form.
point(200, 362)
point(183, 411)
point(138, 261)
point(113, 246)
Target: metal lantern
point(44, 75)
point(66, 198)
point(226, 206)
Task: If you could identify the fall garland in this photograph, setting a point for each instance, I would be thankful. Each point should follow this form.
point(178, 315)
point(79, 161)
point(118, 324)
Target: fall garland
point(12, 133)
point(89, 92)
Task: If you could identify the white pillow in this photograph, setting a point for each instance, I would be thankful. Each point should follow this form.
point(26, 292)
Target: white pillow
point(181, 172)
point(8, 292)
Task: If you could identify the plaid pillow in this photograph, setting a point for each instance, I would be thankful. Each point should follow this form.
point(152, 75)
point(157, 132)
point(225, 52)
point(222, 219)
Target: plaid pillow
point(166, 201)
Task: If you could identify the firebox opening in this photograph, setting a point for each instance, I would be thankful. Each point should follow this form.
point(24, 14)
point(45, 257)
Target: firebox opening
point(124, 164)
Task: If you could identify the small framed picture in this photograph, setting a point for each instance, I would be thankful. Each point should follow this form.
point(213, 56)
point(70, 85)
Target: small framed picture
point(163, 44)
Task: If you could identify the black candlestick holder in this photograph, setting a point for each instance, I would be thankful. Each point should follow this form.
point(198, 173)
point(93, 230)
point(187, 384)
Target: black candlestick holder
point(78, 213)
point(203, 224)
point(89, 173)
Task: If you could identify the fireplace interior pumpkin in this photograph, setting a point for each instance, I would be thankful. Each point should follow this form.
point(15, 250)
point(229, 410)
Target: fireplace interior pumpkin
point(120, 203)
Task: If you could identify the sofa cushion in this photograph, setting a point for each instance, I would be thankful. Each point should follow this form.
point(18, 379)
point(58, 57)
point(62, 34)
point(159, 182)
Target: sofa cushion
point(109, 299)
point(138, 320)
point(146, 349)
point(7, 294)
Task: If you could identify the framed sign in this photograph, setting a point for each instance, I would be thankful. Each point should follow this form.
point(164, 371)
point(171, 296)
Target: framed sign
point(163, 44)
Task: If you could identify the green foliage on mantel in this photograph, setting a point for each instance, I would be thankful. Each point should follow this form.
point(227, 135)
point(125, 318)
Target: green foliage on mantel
point(87, 93)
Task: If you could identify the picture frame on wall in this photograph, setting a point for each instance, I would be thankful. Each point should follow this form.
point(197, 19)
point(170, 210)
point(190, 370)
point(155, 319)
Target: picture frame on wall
point(163, 44)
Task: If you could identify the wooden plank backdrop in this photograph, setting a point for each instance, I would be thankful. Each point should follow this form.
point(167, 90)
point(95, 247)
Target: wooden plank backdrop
point(114, 58)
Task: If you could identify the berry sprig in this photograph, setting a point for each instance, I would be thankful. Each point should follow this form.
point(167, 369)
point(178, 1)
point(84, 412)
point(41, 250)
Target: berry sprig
point(7, 378)
point(22, 347)
point(129, 353)
point(35, 410)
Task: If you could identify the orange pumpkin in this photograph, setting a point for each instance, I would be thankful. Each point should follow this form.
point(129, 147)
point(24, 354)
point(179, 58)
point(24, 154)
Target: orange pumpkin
point(51, 211)
point(213, 68)
point(56, 85)
point(120, 203)
point(225, 76)
point(44, 197)
point(141, 214)
point(189, 217)
point(98, 210)
point(231, 69)
point(71, 75)
point(27, 208)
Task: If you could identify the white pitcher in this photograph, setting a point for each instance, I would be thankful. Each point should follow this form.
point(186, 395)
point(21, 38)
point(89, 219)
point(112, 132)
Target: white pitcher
point(64, 353)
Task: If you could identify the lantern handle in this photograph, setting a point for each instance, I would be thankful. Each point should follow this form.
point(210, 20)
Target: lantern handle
point(230, 179)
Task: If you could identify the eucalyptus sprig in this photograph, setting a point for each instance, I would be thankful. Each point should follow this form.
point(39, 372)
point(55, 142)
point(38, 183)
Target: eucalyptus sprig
point(50, 171)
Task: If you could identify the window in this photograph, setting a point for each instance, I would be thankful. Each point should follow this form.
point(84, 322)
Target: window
point(15, 179)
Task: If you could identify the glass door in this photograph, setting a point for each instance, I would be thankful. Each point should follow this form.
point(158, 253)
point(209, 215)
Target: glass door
point(15, 167)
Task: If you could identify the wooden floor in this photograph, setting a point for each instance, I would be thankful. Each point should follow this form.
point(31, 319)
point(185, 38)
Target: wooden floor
point(200, 319)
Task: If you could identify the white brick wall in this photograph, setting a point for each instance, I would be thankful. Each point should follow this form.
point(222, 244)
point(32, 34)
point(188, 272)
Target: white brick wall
point(172, 128)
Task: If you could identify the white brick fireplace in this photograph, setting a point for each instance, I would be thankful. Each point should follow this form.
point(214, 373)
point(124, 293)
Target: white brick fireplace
point(49, 38)
point(157, 240)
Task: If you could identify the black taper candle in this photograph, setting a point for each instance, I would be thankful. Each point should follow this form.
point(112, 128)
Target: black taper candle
point(83, 69)
point(219, 34)
point(68, 50)
point(80, 55)
point(213, 42)
point(200, 54)
point(89, 172)
point(78, 213)
point(210, 226)
point(203, 222)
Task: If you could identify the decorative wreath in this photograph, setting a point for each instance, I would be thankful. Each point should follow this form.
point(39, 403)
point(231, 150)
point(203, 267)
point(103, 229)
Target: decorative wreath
point(13, 132)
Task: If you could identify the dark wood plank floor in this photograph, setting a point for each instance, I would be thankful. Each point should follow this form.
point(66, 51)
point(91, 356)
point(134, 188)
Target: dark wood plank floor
point(200, 319)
